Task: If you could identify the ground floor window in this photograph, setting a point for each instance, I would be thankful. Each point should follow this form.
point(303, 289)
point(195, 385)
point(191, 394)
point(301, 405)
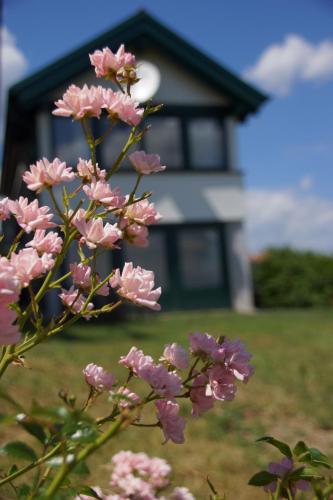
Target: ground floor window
point(189, 262)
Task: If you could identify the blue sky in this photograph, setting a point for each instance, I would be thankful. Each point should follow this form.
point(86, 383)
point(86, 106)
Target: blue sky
point(284, 46)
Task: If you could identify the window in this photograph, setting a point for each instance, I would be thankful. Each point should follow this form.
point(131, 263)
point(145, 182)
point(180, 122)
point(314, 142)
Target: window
point(151, 258)
point(69, 141)
point(200, 261)
point(165, 138)
point(205, 143)
point(111, 147)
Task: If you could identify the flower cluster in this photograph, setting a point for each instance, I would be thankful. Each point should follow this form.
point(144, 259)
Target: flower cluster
point(212, 377)
point(282, 470)
point(138, 476)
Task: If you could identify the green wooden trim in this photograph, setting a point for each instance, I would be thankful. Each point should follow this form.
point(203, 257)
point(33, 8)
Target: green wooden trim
point(29, 91)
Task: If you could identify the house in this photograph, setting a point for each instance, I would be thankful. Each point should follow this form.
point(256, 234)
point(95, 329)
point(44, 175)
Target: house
point(198, 252)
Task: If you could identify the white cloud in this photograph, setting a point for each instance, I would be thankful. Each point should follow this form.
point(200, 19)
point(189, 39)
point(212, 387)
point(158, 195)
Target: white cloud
point(287, 217)
point(306, 182)
point(13, 66)
point(295, 59)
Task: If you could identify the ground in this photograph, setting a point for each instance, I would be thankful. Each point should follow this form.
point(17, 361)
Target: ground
point(290, 395)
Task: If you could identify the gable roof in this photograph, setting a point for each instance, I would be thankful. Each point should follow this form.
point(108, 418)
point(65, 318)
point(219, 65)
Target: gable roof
point(245, 98)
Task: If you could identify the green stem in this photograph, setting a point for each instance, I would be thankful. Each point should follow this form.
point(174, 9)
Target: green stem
point(67, 468)
point(55, 203)
point(15, 243)
point(131, 196)
point(34, 464)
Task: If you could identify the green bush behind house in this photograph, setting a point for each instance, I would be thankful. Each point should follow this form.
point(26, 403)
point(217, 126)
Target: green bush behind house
point(284, 277)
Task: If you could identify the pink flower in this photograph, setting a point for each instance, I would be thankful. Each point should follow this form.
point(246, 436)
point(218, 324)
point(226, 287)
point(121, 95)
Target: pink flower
point(200, 401)
point(126, 398)
point(132, 471)
point(146, 163)
point(121, 107)
point(136, 285)
point(73, 299)
point(29, 215)
point(221, 383)
point(45, 174)
point(85, 170)
point(176, 355)
point(9, 283)
point(4, 209)
point(98, 378)
point(202, 343)
point(135, 360)
point(172, 424)
point(181, 493)
point(94, 234)
point(81, 275)
point(136, 235)
point(107, 64)
point(237, 359)
point(101, 192)
point(80, 103)
point(141, 212)
point(29, 265)
point(166, 384)
point(281, 469)
point(46, 243)
point(9, 333)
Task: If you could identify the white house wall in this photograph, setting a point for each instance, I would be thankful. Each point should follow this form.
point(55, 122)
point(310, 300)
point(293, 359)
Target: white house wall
point(199, 197)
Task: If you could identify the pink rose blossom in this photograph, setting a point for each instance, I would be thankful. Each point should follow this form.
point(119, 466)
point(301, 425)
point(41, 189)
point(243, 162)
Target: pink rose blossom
point(101, 192)
point(202, 343)
point(146, 163)
point(141, 212)
point(221, 383)
point(75, 301)
point(29, 265)
point(135, 475)
point(181, 494)
point(172, 424)
point(81, 275)
point(126, 398)
point(237, 359)
point(98, 378)
point(4, 209)
point(136, 285)
point(29, 215)
point(176, 355)
point(121, 107)
point(107, 64)
point(9, 283)
point(80, 103)
point(46, 243)
point(9, 333)
point(166, 384)
point(136, 235)
point(200, 401)
point(45, 174)
point(135, 360)
point(95, 234)
point(86, 171)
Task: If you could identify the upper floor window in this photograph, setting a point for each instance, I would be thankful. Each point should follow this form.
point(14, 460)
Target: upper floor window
point(165, 138)
point(68, 140)
point(205, 143)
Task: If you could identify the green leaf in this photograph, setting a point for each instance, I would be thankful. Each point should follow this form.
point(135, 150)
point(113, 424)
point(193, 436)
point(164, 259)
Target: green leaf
point(35, 429)
point(81, 469)
point(283, 447)
point(23, 491)
point(262, 478)
point(306, 473)
point(86, 490)
point(7, 419)
point(300, 448)
point(17, 449)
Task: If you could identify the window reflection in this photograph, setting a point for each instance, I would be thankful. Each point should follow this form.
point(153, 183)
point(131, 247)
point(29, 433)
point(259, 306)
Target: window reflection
point(69, 141)
point(200, 258)
point(165, 138)
point(152, 258)
point(206, 143)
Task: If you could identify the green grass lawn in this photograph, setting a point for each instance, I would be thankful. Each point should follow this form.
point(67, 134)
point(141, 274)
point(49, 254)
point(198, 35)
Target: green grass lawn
point(290, 396)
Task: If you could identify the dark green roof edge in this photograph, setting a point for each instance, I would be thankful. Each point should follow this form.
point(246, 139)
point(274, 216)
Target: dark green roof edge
point(63, 69)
